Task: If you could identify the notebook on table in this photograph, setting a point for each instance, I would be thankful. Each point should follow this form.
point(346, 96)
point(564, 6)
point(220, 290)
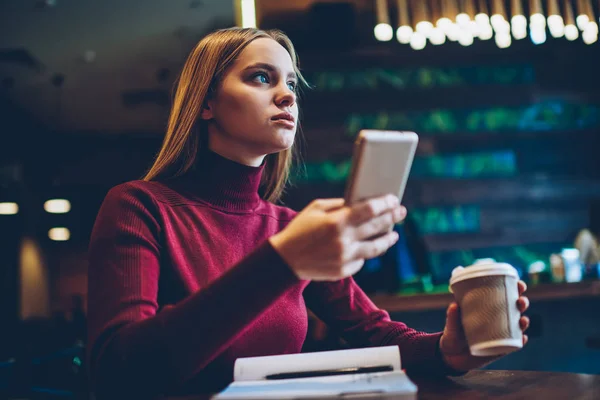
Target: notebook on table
point(370, 373)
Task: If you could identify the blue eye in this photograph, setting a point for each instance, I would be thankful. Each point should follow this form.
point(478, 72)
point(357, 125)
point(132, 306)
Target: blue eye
point(261, 77)
point(292, 86)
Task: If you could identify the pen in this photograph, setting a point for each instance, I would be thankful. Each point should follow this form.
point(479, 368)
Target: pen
point(330, 372)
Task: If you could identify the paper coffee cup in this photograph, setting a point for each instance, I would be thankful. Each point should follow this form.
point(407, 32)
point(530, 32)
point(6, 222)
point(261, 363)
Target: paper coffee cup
point(487, 295)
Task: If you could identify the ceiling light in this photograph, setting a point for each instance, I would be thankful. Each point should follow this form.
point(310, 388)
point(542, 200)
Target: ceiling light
point(418, 41)
point(571, 31)
point(538, 36)
point(584, 11)
point(437, 36)
point(59, 234)
point(503, 40)
point(404, 31)
point(383, 30)
point(57, 206)
point(589, 36)
point(536, 18)
point(9, 208)
point(248, 10)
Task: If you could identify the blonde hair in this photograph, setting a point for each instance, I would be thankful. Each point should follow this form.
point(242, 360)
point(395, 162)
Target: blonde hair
point(203, 70)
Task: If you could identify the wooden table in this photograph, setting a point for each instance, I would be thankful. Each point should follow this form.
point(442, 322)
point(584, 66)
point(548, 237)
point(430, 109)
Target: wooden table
point(502, 385)
point(492, 384)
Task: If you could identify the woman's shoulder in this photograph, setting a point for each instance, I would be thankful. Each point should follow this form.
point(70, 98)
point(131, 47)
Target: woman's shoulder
point(143, 191)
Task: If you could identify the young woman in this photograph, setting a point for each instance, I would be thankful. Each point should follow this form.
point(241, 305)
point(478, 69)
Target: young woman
point(191, 268)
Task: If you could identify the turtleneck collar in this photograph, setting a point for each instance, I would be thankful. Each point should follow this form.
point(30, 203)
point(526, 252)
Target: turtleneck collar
point(224, 183)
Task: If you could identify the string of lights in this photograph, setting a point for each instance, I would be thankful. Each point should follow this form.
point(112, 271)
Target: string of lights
point(420, 22)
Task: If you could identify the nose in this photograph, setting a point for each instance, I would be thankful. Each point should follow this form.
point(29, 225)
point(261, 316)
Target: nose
point(285, 97)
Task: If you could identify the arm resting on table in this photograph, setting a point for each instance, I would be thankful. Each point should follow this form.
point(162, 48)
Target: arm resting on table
point(348, 311)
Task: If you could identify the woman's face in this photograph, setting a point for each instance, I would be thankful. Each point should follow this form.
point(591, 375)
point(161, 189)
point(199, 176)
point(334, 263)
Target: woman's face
point(254, 111)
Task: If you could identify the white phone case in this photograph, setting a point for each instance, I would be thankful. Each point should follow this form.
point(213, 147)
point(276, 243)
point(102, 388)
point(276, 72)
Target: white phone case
point(381, 164)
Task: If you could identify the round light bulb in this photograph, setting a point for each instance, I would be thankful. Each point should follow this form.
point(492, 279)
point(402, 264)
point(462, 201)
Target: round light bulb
point(519, 33)
point(518, 27)
point(474, 28)
point(463, 20)
point(424, 28)
point(404, 33)
point(571, 32)
point(538, 36)
point(453, 32)
point(555, 20)
point(556, 26)
point(519, 20)
point(418, 41)
point(503, 40)
point(383, 32)
point(557, 31)
point(486, 32)
point(437, 36)
point(497, 19)
point(582, 21)
point(589, 36)
point(465, 38)
point(482, 19)
point(592, 26)
point(502, 27)
point(444, 23)
point(537, 21)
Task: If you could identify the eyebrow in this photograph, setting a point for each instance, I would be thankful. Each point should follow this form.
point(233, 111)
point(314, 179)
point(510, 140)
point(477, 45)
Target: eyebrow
point(270, 68)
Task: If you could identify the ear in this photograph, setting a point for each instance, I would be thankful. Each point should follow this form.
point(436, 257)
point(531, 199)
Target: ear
point(206, 112)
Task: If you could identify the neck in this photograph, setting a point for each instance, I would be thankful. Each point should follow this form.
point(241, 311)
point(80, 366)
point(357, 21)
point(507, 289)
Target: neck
point(234, 150)
point(223, 182)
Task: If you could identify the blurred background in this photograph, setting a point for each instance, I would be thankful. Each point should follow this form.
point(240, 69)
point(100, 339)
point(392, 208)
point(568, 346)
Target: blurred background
point(505, 96)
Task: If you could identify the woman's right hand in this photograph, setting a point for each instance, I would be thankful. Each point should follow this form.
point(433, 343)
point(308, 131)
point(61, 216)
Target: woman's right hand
point(329, 241)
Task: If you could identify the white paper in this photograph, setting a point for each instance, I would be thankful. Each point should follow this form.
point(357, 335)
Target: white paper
point(257, 368)
point(380, 385)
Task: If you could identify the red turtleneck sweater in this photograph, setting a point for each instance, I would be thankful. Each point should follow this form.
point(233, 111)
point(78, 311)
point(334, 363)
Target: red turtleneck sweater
point(183, 281)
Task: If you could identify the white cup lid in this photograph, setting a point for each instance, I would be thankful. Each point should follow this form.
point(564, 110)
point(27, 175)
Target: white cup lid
point(482, 269)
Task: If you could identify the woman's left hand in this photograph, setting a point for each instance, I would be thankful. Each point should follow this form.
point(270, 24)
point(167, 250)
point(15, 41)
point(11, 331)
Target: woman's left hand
point(453, 343)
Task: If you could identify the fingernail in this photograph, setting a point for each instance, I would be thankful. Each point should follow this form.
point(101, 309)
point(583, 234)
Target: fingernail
point(393, 200)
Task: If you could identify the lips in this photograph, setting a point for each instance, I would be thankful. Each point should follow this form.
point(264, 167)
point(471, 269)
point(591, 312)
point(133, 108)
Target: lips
point(284, 116)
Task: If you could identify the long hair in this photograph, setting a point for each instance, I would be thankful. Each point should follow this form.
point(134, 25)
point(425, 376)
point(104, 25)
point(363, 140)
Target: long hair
point(204, 68)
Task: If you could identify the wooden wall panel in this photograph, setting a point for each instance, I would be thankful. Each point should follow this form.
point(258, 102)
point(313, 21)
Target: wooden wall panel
point(519, 190)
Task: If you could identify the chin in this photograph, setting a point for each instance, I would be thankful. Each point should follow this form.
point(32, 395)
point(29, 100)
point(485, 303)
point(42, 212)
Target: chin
point(285, 140)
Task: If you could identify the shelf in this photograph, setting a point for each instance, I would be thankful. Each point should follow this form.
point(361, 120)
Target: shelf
point(542, 292)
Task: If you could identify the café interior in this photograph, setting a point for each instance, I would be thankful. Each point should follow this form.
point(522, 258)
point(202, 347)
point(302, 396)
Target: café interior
point(504, 95)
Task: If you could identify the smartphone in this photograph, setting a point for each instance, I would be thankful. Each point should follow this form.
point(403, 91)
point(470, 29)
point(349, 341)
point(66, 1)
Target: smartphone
point(381, 163)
